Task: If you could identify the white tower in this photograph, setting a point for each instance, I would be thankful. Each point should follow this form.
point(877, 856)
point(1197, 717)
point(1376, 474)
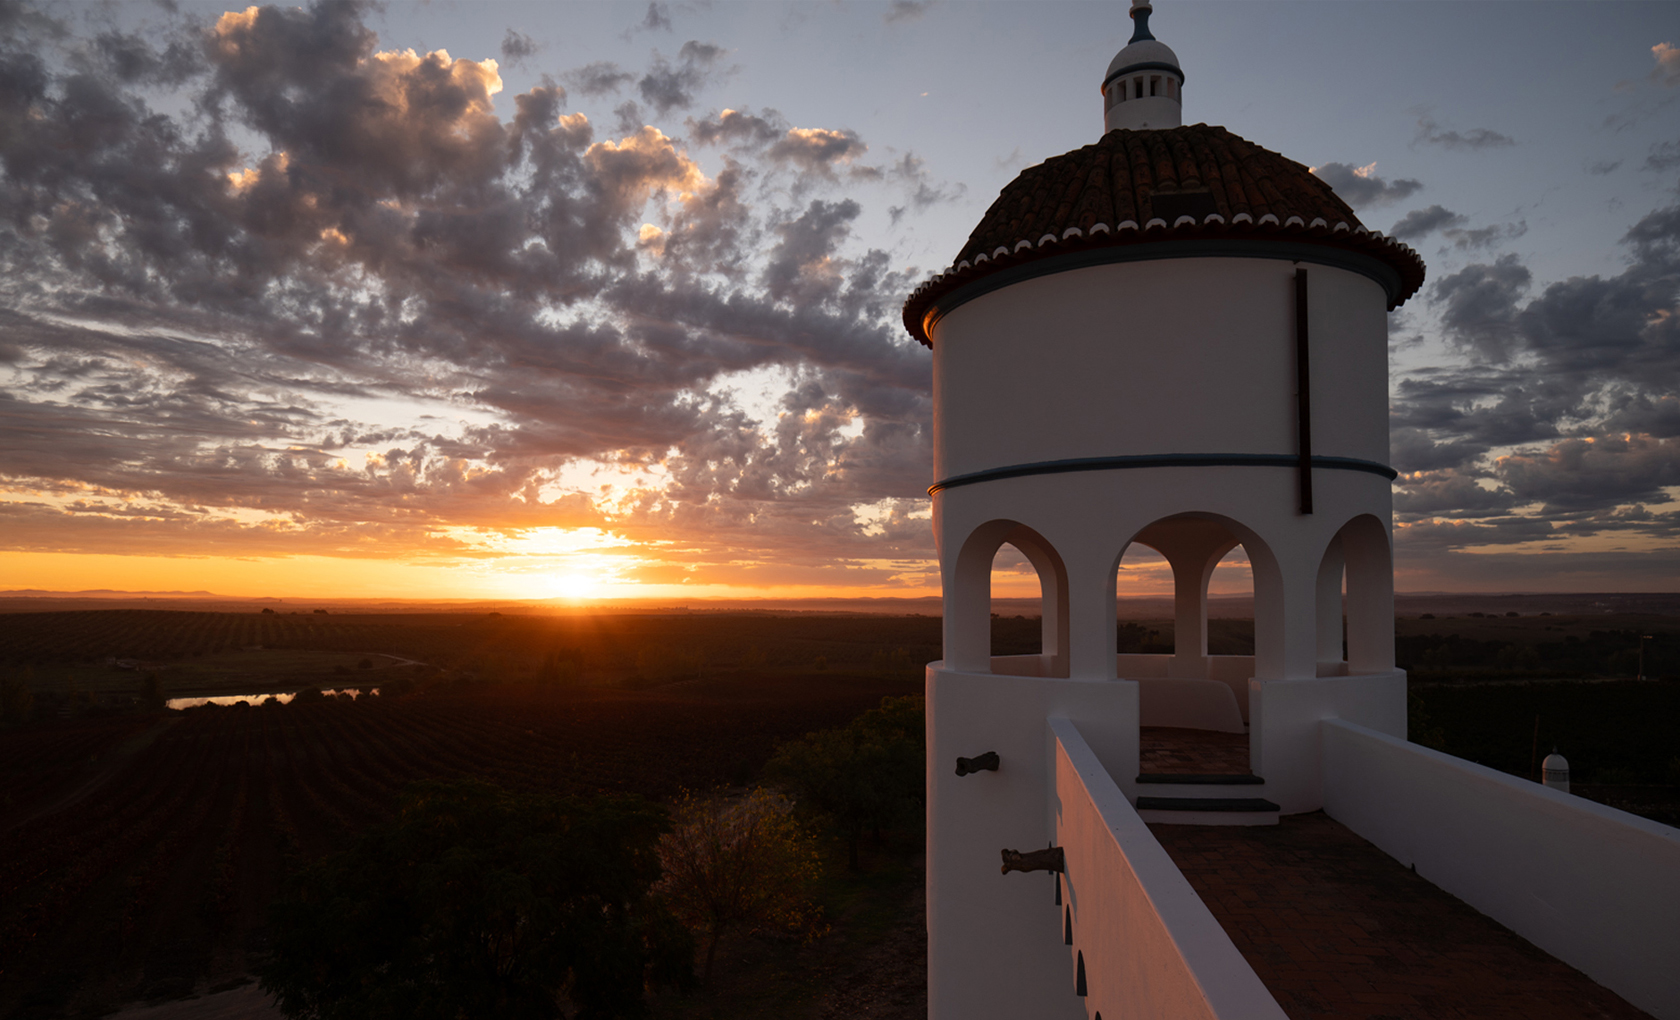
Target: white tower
point(1178, 338)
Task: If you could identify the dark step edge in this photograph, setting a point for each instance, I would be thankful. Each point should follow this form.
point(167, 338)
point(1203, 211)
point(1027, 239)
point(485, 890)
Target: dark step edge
point(1200, 779)
point(1205, 804)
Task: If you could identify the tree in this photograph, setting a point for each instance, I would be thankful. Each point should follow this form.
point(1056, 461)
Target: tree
point(739, 864)
point(475, 902)
point(866, 774)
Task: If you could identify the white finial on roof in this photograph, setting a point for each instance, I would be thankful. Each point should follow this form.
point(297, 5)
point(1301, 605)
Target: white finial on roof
point(1554, 771)
point(1144, 82)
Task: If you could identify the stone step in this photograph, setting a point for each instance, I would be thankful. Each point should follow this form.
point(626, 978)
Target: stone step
point(1188, 784)
point(1208, 810)
point(1200, 779)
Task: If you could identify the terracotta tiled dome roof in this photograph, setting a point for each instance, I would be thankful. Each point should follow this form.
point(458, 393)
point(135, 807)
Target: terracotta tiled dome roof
point(1173, 184)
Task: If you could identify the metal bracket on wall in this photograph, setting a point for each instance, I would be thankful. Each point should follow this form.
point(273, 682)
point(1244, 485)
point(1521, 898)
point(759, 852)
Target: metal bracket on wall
point(1048, 859)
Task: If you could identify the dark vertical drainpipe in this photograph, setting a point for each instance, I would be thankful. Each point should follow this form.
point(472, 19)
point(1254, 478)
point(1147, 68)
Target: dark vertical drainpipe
point(1303, 392)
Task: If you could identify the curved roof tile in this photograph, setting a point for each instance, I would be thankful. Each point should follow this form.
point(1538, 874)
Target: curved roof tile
point(1236, 190)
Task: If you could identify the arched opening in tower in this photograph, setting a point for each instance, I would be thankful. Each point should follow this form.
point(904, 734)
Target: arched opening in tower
point(1355, 596)
point(1191, 646)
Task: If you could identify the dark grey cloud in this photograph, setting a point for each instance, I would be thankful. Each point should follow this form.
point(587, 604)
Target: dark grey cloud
point(906, 10)
point(630, 119)
point(1431, 133)
point(517, 47)
point(187, 317)
point(1422, 222)
point(658, 17)
point(817, 150)
point(1664, 156)
point(1360, 186)
point(1603, 166)
point(1594, 472)
point(802, 268)
point(669, 86)
point(1482, 238)
point(601, 78)
point(1479, 304)
point(738, 127)
point(1568, 414)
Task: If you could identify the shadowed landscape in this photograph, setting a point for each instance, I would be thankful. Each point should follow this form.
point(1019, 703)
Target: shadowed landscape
point(140, 847)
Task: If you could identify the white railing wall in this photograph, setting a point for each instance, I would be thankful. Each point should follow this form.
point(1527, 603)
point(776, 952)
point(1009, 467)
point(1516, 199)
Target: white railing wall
point(1149, 945)
point(1595, 887)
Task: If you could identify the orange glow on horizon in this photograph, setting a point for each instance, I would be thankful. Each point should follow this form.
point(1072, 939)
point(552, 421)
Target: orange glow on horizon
point(322, 577)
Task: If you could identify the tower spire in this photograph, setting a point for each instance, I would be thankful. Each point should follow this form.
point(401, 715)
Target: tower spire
point(1140, 12)
point(1142, 89)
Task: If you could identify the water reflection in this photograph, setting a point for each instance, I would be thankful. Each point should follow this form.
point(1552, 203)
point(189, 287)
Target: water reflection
point(257, 699)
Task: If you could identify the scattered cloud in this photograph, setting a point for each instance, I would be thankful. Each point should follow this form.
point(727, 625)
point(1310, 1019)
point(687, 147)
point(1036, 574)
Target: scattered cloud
point(906, 10)
point(658, 17)
point(517, 46)
point(1480, 238)
point(1430, 133)
point(738, 127)
point(1360, 186)
point(268, 287)
point(1603, 166)
point(1664, 156)
point(1422, 222)
point(340, 301)
point(669, 86)
point(817, 150)
point(1565, 424)
point(601, 78)
point(1667, 71)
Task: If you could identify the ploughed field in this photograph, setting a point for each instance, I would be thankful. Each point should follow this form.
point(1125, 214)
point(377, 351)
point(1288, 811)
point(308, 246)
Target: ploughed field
point(139, 851)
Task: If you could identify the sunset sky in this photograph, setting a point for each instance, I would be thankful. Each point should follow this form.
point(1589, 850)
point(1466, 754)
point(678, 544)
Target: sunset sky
point(515, 300)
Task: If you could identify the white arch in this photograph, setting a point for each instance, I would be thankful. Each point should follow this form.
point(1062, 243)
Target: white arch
point(1361, 549)
point(1194, 543)
point(1369, 555)
point(968, 599)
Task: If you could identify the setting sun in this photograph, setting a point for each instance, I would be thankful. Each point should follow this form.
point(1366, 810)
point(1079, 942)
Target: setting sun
point(574, 586)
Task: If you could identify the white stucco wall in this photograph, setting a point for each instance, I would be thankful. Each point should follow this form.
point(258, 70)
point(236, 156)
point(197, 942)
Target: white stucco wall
point(1595, 887)
point(1284, 739)
point(1189, 704)
point(1184, 355)
point(995, 941)
point(1150, 945)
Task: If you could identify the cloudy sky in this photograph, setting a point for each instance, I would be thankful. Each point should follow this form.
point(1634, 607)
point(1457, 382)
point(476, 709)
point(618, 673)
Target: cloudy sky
point(542, 299)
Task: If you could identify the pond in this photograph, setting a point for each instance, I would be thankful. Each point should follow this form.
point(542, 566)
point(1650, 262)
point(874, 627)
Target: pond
point(257, 699)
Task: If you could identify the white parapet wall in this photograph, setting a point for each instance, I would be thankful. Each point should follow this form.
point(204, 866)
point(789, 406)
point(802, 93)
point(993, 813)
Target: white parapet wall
point(1189, 704)
point(1149, 946)
point(1284, 735)
point(1595, 887)
point(995, 940)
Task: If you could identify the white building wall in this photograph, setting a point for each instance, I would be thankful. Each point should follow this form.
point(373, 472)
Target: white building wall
point(1184, 355)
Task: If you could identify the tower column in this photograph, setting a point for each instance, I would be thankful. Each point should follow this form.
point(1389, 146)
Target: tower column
point(1193, 548)
point(1091, 646)
point(1330, 606)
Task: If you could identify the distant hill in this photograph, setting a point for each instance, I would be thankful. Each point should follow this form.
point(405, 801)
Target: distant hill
point(102, 593)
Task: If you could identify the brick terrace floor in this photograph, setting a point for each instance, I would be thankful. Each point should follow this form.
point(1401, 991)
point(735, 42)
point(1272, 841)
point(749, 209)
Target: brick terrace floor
point(1165, 749)
point(1337, 928)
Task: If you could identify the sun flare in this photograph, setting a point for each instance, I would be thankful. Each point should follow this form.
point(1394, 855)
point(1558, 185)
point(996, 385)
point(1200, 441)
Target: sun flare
point(574, 586)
